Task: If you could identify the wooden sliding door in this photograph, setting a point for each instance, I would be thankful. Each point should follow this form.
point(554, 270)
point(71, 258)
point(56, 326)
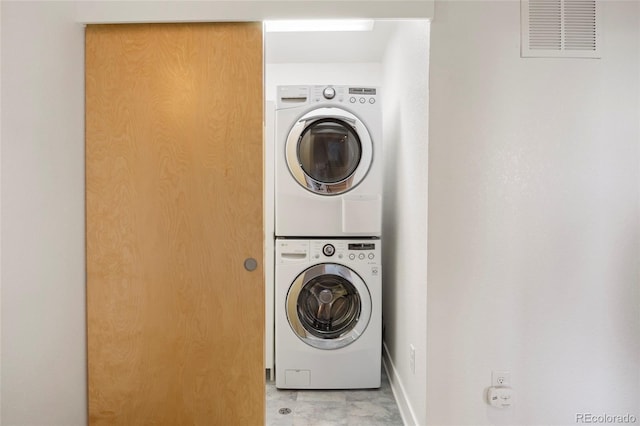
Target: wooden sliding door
point(174, 207)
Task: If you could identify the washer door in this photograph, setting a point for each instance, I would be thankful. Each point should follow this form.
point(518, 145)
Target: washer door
point(329, 151)
point(328, 306)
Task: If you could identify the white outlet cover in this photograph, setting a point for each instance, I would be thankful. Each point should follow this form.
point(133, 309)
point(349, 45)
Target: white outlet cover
point(500, 378)
point(500, 396)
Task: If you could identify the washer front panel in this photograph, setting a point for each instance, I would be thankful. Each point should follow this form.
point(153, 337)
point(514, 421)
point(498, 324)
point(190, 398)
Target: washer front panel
point(328, 306)
point(329, 151)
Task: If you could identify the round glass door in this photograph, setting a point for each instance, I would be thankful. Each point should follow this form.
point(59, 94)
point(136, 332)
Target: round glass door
point(328, 306)
point(329, 151)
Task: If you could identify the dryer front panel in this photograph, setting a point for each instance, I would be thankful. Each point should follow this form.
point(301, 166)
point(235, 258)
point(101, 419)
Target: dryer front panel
point(328, 306)
point(329, 151)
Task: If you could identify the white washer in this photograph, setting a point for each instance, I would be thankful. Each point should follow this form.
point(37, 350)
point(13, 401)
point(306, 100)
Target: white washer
point(328, 165)
point(328, 313)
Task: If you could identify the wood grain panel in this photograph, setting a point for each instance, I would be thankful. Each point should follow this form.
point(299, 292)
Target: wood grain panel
point(174, 206)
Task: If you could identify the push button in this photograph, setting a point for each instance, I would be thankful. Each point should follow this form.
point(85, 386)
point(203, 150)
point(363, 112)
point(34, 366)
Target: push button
point(371, 256)
point(361, 256)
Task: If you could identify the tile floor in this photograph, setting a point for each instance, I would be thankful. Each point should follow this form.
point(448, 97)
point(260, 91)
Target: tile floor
point(358, 407)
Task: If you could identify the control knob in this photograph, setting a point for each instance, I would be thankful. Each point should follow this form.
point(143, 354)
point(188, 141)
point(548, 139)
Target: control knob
point(328, 250)
point(329, 92)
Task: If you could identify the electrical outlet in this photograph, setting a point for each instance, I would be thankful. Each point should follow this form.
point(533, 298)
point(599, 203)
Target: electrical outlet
point(500, 378)
point(412, 359)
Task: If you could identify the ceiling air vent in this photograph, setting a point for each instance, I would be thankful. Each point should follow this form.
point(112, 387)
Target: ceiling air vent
point(560, 28)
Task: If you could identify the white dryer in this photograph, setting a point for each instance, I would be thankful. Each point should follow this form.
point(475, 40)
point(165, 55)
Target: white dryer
point(328, 166)
point(328, 313)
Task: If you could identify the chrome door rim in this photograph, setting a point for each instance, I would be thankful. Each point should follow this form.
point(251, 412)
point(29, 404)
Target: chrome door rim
point(324, 188)
point(317, 271)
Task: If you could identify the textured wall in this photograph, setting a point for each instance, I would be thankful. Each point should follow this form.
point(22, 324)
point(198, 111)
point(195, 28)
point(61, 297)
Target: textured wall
point(533, 221)
point(406, 116)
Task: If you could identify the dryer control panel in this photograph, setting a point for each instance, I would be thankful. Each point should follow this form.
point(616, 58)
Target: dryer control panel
point(294, 96)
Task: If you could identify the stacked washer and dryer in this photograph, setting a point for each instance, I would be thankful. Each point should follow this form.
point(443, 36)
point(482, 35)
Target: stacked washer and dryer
point(328, 223)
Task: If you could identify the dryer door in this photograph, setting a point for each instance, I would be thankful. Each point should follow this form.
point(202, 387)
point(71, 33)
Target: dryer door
point(329, 151)
point(328, 306)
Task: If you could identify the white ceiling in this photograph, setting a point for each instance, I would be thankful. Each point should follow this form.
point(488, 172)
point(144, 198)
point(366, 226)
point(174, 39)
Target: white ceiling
point(329, 47)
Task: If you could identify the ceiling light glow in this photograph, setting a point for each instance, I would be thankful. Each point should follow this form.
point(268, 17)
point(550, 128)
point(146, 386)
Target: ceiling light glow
point(309, 25)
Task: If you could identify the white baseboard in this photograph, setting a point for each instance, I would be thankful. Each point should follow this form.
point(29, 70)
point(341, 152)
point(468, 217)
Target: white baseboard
point(406, 411)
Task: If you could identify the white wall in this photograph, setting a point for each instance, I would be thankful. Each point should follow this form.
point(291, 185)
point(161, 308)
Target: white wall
point(406, 116)
point(0, 229)
point(533, 221)
point(43, 275)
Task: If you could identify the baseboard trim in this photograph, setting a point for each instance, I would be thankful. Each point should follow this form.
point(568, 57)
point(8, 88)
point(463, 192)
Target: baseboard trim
point(404, 406)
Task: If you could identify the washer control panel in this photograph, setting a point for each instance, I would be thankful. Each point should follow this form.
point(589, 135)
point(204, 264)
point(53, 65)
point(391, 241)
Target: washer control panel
point(348, 251)
point(344, 94)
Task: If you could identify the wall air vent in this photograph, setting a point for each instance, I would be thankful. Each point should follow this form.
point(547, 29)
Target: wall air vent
point(560, 28)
